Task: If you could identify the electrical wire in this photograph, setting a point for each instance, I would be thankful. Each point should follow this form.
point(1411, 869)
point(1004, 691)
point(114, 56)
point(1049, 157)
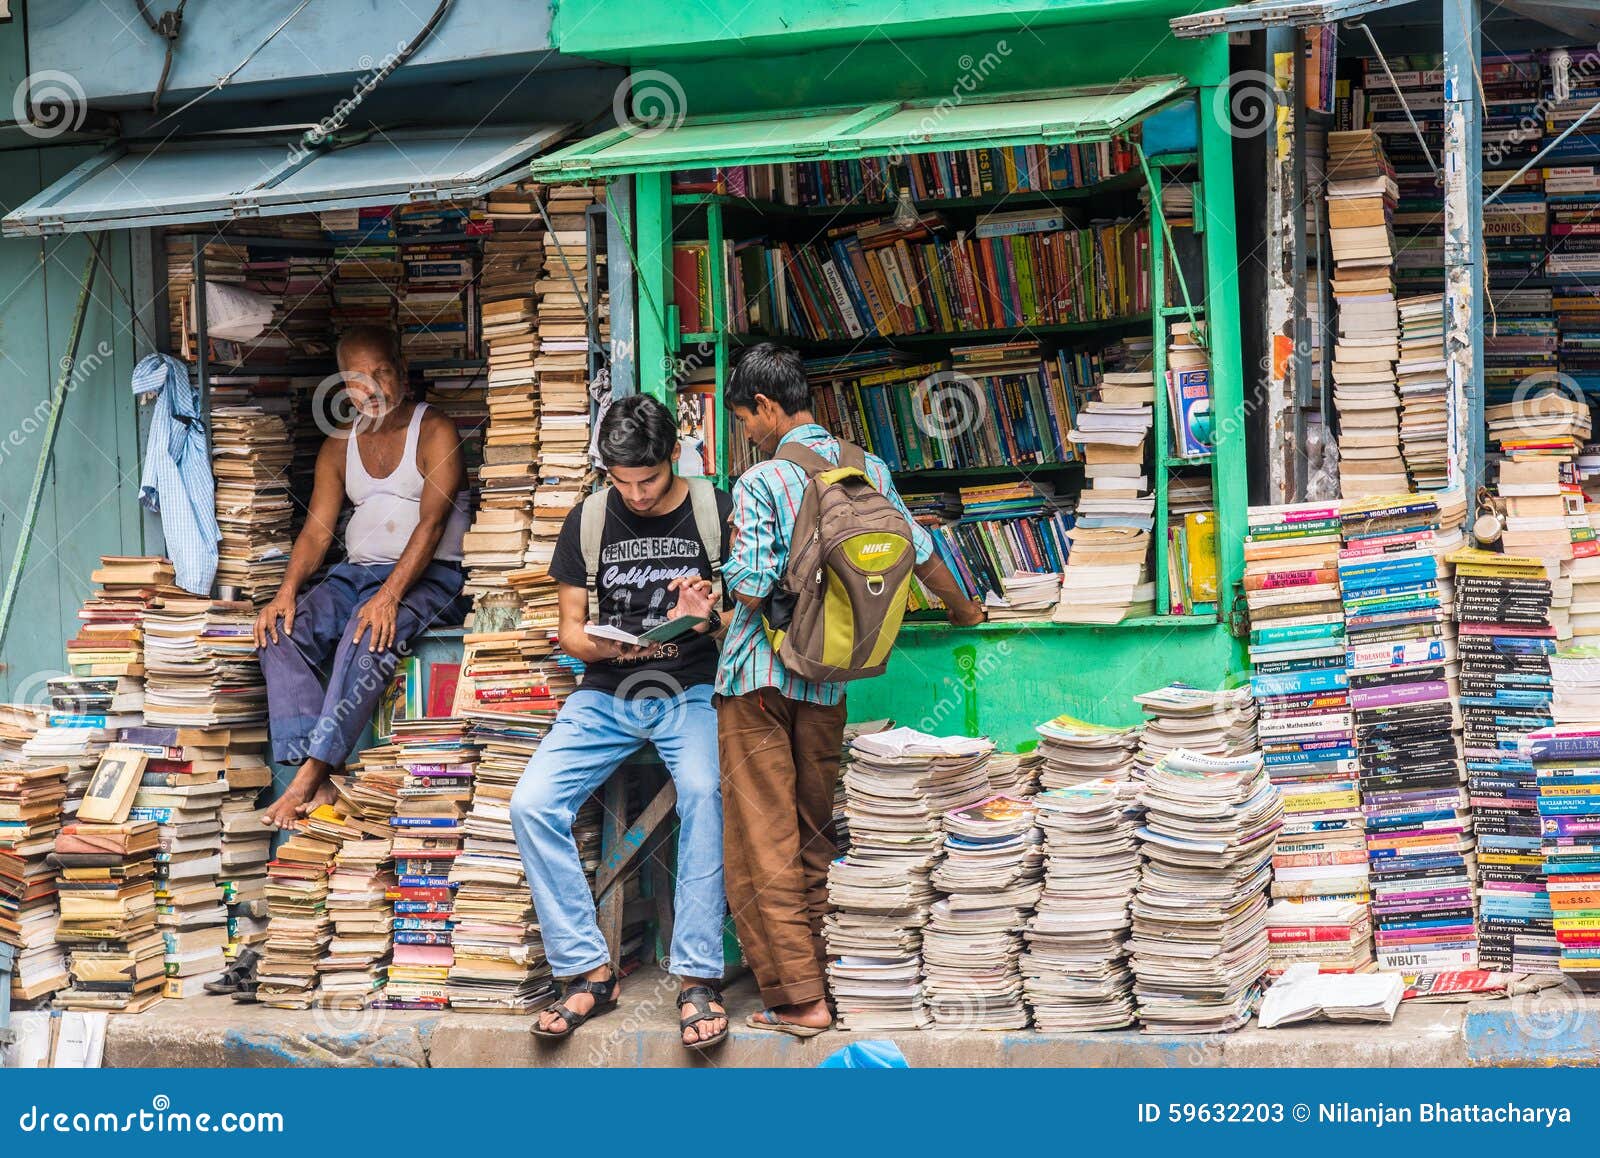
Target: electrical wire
point(222, 81)
point(320, 134)
point(167, 27)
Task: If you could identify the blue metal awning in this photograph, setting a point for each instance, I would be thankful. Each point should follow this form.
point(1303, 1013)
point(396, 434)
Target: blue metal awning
point(171, 183)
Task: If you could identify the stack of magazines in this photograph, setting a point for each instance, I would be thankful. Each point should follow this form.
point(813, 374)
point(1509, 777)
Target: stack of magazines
point(1199, 918)
point(1198, 720)
point(990, 878)
point(1075, 972)
point(1073, 751)
point(898, 786)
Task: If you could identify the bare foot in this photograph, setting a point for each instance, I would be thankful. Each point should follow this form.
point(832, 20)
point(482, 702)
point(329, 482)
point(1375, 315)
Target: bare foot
point(703, 1030)
point(326, 793)
point(552, 1022)
point(285, 810)
point(813, 1013)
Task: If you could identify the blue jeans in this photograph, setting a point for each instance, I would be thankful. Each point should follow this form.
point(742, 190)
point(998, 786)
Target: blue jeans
point(594, 733)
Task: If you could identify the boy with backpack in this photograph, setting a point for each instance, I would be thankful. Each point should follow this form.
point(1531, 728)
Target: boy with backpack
point(633, 558)
point(823, 551)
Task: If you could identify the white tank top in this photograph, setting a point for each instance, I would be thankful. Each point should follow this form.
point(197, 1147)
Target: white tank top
point(386, 509)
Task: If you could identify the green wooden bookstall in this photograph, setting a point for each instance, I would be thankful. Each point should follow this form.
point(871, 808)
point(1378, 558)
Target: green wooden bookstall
point(765, 103)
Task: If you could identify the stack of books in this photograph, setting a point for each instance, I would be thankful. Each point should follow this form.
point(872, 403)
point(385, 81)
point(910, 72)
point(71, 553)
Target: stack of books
point(1075, 972)
point(1336, 936)
point(990, 877)
point(1301, 684)
point(1199, 941)
point(512, 259)
point(250, 457)
point(436, 309)
point(246, 842)
point(439, 762)
point(1073, 752)
point(1420, 375)
point(299, 929)
point(1403, 687)
point(1545, 511)
point(1507, 644)
point(367, 272)
point(1567, 760)
point(110, 637)
point(106, 886)
point(899, 785)
point(31, 798)
point(200, 660)
point(1361, 199)
point(370, 791)
point(1009, 539)
point(562, 366)
point(351, 974)
point(1200, 721)
point(499, 964)
point(1107, 577)
point(181, 791)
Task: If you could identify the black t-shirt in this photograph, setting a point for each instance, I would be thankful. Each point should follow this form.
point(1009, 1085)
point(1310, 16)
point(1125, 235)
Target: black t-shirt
point(639, 557)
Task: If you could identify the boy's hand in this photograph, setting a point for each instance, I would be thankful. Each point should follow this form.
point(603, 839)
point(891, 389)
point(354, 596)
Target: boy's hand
point(968, 614)
point(694, 597)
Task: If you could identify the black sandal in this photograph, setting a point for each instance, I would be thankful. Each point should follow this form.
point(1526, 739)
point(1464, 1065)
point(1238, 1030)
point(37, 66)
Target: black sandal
point(237, 976)
point(701, 997)
point(605, 999)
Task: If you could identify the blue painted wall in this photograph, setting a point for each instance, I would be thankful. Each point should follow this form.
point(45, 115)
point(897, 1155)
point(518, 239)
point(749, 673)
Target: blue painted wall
point(90, 505)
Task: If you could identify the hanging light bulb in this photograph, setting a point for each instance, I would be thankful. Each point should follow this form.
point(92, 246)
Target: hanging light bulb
point(905, 213)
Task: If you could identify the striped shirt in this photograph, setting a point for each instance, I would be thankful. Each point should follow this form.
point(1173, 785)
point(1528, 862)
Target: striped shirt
point(766, 500)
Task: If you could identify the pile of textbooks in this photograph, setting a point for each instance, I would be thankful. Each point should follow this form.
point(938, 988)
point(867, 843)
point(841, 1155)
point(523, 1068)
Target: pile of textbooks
point(1197, 720)
point(352, 972)
point(246, 842)
point(200, 660)
point(181, 791)
point(439, 760)
point(31, 796)
point(989, 876)
point(250, 457)
point(299, 929)
point(1301, 685)
point(1335, 936)
point(1073, 751)
point(1199, 944)
point(106, 885)
point(499, 963)
point(899, 785)
point(1403, 686)
point(1567, 762)
point(1506, 643)
point(1361, 194)
point(1420, 376)
point(1075, 973)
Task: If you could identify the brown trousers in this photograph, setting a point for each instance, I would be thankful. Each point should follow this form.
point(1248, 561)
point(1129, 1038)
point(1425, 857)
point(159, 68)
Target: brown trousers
point(780, 763)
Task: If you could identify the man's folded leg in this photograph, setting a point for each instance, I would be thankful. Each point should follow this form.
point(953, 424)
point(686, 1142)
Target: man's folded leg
point(291, 665)
point(585, 745)
point(360, 675)
point(686, 738)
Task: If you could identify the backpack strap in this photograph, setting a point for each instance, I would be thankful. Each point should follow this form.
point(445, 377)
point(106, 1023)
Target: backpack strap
point(591, 529)
point(805, 458)
point(852, 455)
point(703, 501)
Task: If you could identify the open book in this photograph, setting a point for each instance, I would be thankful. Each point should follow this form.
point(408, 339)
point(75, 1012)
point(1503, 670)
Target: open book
point(661, 633)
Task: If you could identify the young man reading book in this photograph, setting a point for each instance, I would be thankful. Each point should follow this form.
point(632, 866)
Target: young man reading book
point(780, 735)
point(399, 465)
point(635, 563)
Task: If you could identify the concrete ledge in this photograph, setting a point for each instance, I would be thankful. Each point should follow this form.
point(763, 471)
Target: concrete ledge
point(641, 1032)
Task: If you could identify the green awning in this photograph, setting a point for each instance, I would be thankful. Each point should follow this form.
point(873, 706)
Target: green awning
point(1055, 116)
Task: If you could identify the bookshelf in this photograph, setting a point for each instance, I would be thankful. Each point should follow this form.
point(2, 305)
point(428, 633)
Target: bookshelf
point(713, 218)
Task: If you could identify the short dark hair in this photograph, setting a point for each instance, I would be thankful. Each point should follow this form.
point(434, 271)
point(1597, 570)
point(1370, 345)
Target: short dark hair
point(773, 370)
point(637, 431)
point(380, 338)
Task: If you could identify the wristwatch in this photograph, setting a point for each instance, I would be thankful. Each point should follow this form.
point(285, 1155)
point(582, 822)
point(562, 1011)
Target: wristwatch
point(713, 622)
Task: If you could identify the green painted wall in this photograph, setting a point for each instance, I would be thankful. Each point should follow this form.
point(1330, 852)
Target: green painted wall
point(1002, 679)
point(90, 503)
